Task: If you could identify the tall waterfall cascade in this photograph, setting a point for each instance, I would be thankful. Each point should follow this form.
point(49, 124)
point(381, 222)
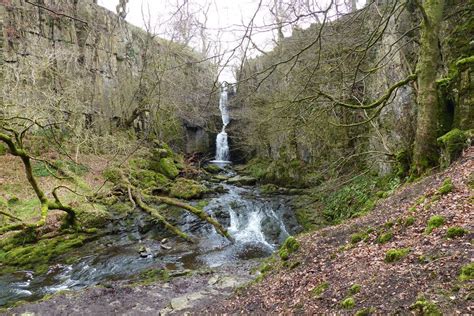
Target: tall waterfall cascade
point(222, 144)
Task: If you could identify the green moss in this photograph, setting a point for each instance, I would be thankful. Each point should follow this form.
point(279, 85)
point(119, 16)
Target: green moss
point(358, 237)
point(354, 289)
point(403, 163)
point(319, 289)
point(465, 61)
point(435, 221)
point(37, 256)
point(186, 189)
point(384, 238)
point(113, 174)
point(365, 311)
point(268, 188)
point(424, 307)
point(3, 149)
point(452, 144)
point(153, 275)
point(446, 187)
point(394, 255)
point(289, 246)
point(467, 272)
point(456, 231)
point(91, 215)
point(138, 163)
point(212, 168)
point(348, 303)
point(410, 220)
point(165, 166)
point(148, 179)
point(202, 204)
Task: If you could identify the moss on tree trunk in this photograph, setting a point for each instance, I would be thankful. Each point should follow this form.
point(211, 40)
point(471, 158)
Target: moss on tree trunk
point(425, 153)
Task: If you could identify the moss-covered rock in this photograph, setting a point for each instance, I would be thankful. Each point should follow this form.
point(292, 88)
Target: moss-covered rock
point(37, 256)
point(187, 189)
point(149, 179)
point(165, 166)
point(212, 168)
point(113, 174)
point(452, 144)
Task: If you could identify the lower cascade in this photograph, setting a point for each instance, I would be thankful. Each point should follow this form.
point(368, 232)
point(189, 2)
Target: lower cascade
point(258, 225)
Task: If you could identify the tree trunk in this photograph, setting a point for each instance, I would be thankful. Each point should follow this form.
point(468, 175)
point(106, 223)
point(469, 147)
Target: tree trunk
point(425, 153)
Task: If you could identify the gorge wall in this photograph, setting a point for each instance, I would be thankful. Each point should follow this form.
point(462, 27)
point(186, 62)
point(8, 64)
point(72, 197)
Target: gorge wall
point(354, 59)
point(78, 62)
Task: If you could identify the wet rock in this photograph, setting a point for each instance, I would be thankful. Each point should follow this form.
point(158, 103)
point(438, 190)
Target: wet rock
point(179, 303)
point(242, 180)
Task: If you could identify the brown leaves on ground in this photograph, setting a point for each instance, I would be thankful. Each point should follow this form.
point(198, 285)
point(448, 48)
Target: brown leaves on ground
point(430, 269)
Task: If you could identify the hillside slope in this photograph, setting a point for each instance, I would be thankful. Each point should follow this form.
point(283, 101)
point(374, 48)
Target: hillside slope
point(345, 268)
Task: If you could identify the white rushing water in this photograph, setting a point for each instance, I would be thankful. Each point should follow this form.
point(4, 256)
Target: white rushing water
point(222, 145)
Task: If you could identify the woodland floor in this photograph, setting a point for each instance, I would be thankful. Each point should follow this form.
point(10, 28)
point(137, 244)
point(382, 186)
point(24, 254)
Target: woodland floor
point(431, 269)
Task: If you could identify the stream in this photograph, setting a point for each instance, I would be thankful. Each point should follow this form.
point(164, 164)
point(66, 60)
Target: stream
point(258, 224)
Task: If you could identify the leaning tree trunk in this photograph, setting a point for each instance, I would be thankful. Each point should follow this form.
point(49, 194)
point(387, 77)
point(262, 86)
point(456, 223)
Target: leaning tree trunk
point(425, 153)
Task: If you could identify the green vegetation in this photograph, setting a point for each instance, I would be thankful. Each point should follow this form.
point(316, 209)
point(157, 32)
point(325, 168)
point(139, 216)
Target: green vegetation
point(354, 289)
point(290, 246)
point(365, 311)
point(446, 187)
point(456, 231)
point(186, 189)
point(425, 307)
point(348, 303)
point(409, 221)
point(153, 275)
point(394, 255)
point(358, 237)
point(384, 238)
point(24, 251)
point(452, 144)
point(435, 221)
point(319, 289)
point(467, 272)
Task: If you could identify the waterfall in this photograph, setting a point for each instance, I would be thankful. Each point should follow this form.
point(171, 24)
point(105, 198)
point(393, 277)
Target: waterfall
point(222, 145)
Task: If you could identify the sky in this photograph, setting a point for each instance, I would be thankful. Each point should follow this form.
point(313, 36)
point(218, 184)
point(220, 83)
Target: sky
point(225, 25)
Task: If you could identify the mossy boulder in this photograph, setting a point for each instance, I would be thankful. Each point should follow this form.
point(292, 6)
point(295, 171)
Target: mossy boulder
point(165, 166)
point(149, 179)
point(113, 174)
point(242, 180)
point(212, 168)
point(187, 189)
point(452, 144)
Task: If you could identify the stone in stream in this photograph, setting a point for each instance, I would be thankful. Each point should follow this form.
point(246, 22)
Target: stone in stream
point(242, 180)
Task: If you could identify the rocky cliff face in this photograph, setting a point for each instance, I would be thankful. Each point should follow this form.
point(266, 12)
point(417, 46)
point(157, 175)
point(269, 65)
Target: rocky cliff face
point(77, 61)
point(290, 120)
